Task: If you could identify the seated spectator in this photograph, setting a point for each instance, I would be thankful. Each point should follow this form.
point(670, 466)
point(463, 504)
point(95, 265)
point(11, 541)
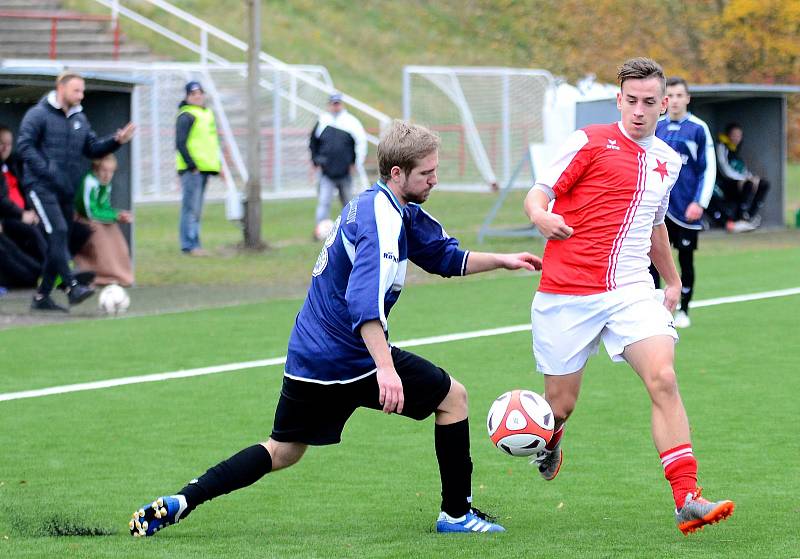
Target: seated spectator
point(17, 269)
point(106, 252)
point(17, 216)
point(744, 191)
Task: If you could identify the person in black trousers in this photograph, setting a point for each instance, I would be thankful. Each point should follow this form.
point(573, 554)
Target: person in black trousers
point(54, 138)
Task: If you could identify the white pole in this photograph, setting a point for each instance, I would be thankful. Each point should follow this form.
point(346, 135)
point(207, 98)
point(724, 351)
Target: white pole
point(506, 127)
point(203, 46)
point(155, 144)
point(406, 94)
point(276, 130)
point(136, 147)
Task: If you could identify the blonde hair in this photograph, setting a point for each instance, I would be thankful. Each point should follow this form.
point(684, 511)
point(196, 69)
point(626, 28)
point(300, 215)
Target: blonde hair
point(403, 145)
point(97, 162)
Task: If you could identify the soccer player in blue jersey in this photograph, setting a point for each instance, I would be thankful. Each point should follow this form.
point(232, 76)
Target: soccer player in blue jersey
point(339, 357)
point(690, 137)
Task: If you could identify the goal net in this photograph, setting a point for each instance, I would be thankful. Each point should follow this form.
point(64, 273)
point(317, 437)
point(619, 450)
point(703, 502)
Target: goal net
point(485, 117)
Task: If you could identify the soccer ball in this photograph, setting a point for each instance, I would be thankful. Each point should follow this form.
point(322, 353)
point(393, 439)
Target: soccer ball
point(323, 229)
point(113, 299)
point(520, 423)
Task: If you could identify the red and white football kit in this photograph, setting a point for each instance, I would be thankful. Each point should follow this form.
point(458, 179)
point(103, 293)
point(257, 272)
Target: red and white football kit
point(612, 190)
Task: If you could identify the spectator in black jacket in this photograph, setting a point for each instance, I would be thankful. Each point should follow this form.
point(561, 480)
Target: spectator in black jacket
point(54, 138)
point(338, 145)
point(17, 269)
point(17, 217)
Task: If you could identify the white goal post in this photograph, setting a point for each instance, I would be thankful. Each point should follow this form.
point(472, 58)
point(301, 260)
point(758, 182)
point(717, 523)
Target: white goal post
point(485, 116)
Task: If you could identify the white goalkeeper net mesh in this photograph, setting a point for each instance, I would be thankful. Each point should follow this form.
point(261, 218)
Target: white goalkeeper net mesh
point(486, 117)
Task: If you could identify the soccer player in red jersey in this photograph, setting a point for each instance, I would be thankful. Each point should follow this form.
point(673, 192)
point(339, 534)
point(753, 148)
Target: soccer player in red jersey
point(611, 187)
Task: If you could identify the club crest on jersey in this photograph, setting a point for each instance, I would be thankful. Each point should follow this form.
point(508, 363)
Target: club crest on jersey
point(661, 169)
point(612, 144)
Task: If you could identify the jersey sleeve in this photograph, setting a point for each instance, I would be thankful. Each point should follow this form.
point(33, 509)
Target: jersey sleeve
point(375, 263)
point(431, 248)
point(568, 165)
point(661, 212)
point(707, 166)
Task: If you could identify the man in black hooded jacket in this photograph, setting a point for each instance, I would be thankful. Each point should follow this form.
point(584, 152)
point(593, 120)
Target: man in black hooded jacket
point(54, 137)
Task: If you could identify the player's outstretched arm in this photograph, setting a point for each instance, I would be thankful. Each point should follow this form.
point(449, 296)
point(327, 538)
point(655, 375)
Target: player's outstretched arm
point(484, 261)
point(550, 225)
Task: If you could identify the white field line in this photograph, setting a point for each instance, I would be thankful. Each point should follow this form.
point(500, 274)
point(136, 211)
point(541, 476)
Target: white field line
point(186, 373)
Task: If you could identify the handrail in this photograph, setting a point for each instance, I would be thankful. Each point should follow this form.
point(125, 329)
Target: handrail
point(208, 29)
point(56, 16)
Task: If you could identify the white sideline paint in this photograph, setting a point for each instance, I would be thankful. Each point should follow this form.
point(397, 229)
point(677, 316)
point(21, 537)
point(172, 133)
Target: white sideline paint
point(186, 373)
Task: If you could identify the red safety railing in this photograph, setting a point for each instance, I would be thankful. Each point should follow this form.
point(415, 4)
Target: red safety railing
point(55, 17)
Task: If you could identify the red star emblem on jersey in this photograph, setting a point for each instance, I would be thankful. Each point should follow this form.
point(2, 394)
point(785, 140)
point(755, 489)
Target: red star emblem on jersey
point(661, 169)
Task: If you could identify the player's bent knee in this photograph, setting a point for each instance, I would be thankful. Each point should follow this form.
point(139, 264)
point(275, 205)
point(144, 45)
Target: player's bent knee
point(455, 402)
point(284, 454)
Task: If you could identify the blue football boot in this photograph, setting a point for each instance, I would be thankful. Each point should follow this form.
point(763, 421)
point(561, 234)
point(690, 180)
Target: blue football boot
point(157, 515)
point(474, 521)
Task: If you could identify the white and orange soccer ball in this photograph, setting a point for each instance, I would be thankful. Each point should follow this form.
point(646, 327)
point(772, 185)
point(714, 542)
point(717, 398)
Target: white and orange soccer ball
point(520, 422)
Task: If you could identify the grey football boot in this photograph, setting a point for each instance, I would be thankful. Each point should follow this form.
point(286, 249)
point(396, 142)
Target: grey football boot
point(697, 512)
point(549, 462)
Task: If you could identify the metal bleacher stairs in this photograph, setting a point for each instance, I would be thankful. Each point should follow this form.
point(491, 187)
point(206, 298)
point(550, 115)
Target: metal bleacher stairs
point(26, 31)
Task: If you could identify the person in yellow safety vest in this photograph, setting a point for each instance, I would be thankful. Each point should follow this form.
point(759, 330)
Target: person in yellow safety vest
point(197, 157)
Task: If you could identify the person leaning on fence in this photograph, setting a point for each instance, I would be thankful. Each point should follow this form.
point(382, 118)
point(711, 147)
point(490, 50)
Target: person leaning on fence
point(197, 158)
point(106, 251)
point(338, 144)
point(744, 191)
point(54, 137)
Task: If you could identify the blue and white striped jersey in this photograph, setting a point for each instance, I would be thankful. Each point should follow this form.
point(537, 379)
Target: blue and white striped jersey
point(692, 140)
point(358, 277)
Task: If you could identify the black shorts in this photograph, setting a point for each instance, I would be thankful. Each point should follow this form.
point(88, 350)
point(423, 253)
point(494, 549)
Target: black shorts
point(681, 237)
point(315, 414)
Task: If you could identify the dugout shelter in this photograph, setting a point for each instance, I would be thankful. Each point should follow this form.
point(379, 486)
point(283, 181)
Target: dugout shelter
point(759, 109)
point(107, 104)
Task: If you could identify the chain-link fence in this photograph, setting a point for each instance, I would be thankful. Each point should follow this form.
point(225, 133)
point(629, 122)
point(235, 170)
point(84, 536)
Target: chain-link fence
point(288, 108)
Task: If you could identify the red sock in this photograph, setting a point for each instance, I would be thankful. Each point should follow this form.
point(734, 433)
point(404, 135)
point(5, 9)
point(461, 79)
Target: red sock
point(556, 438)
point(680, 469)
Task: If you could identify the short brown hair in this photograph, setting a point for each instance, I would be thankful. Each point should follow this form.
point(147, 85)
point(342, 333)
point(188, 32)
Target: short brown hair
point(66, 76)
point(403, 145)
point(641, 68)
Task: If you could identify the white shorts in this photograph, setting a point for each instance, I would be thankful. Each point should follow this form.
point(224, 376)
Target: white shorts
point(567, 329)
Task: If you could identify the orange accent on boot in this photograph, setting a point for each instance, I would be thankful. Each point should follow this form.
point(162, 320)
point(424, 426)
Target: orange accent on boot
point(723, 510)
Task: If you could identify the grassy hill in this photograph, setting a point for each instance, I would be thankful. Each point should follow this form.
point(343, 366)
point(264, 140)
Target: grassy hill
point(364, 47)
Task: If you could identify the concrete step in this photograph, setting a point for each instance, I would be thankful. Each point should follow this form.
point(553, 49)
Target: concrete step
point(75, 38)
point(30, 5)
point(72, 51)
point(11, 38)
point(43, 26)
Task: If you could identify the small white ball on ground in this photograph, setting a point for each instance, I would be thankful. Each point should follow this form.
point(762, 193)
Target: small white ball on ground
point(323, 229)
point(113, 299)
